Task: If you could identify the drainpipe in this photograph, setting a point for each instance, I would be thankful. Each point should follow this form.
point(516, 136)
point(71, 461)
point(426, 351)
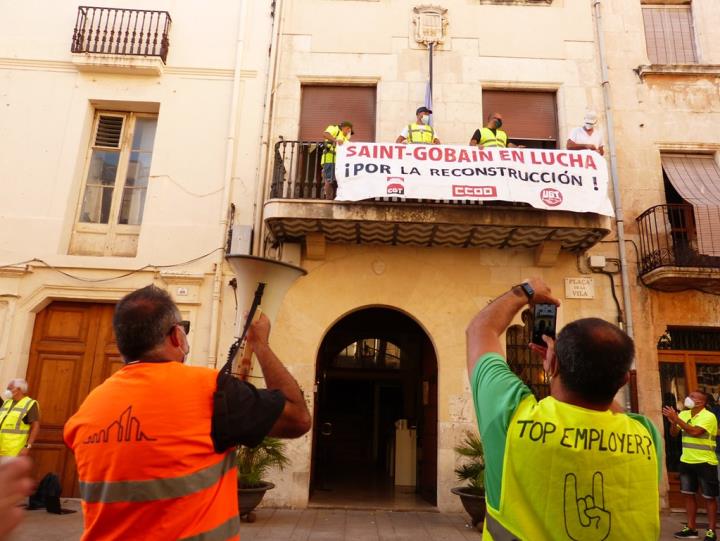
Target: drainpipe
point(266, 146)
point(619, 219)
point(230, 142)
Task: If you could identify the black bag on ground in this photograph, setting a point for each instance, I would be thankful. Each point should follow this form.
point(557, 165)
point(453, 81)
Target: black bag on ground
point(47, 494)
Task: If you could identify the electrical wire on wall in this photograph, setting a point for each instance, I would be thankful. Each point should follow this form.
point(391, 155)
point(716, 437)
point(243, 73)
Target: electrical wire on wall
point(110, 279)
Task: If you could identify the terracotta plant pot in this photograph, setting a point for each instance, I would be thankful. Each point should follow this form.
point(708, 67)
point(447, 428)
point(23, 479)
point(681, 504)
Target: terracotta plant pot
point(473, 503)
point(249, 498)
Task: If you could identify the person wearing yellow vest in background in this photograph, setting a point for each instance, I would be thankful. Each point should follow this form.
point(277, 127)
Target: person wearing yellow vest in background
point(155, 442)
point(570, 466)
point(420, 131)
point(491, 136)
point(698, 462)
point(19, 420)
point(334, 135)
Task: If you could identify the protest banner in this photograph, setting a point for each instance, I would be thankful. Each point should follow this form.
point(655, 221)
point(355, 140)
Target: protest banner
point(548, 179)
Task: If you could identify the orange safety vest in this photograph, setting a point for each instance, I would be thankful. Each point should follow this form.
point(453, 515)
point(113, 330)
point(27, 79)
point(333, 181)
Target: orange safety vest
point(145, 458)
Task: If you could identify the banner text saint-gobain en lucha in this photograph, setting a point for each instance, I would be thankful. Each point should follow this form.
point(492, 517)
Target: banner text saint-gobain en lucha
point(548, 179)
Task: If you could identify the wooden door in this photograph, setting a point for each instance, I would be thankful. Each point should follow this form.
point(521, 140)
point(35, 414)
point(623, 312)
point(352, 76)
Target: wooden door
point(73, 351)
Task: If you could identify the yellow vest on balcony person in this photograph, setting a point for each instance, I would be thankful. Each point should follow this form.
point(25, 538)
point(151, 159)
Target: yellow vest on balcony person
point(489, 138)
point(330, 147)
point(420, 133)
point(14, 431)
point(699, 449)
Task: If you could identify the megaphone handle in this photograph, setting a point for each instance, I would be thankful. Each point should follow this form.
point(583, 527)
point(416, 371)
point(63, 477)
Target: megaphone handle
point(245, 364)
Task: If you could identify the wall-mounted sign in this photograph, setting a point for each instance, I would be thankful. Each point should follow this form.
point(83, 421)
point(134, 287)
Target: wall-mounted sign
point(579, 288)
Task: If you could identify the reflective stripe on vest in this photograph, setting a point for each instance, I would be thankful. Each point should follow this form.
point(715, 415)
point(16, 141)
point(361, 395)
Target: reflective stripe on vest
point(497, 530)
point(155, 489)
point(490, 139)
point(224, 531)
point(420, 133)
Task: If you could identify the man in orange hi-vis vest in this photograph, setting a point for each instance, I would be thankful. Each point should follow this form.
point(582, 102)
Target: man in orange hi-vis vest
point(154, 462)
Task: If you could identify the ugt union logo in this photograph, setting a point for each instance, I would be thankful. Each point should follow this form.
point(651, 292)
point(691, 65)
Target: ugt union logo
point(551, 197)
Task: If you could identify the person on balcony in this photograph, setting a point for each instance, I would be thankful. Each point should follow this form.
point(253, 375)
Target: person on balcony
point(586, 137)
point(420, 131)
point(698, 463)
point(335, 134)
point(491, 136)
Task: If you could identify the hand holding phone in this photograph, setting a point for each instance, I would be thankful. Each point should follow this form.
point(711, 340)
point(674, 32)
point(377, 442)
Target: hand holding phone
point(544, 323)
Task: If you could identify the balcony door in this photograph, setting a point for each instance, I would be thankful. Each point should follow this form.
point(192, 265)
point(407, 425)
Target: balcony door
point(322, 106)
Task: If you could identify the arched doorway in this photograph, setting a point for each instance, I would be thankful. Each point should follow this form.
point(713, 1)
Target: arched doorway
point(375, 436)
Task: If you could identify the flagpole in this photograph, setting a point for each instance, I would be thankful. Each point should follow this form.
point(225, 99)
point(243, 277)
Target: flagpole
point(430, 49)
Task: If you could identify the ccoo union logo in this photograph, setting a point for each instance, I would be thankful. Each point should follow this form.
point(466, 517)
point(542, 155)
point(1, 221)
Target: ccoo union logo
point(551, 197)
point(396, 185)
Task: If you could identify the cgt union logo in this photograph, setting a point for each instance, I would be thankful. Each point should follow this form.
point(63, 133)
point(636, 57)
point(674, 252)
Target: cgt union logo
point(396, 185)
point(474, 191)
point(551, 197)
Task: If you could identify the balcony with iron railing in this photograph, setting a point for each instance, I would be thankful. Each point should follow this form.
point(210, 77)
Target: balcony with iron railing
point(680, 247)
point(121, 40)
point(295, 210)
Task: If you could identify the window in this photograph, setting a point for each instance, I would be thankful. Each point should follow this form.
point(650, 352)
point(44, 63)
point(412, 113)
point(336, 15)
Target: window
point(527, 365)
point(669, 34)
point(529, 117)
point(369, 353)
point(116, 180)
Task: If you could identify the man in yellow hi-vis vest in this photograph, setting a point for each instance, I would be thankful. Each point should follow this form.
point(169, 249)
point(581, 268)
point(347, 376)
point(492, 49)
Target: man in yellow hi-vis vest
point(571, 466)
point(698, 462)
point(334, 135)
point(19, 420)
point(420, 131)
point(491, 136)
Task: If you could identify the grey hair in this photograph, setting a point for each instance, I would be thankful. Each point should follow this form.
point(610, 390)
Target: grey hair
point(20, 384)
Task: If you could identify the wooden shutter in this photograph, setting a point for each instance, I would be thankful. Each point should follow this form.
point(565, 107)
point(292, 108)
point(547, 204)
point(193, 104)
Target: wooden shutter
point(325, 105)
point(697, 179)
point(669, 34)
point(526, 115)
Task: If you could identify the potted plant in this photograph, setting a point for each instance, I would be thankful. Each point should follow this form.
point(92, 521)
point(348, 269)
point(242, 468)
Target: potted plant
point(472, 470)
point(252, 465)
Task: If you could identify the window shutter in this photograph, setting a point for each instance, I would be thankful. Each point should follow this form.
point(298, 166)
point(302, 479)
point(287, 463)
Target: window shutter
point(669, 34)
point(526, 114)
point(325, 105)
point(109, 131)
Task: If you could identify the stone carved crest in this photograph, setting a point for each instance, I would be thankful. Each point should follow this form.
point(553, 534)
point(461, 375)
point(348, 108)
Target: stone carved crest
point(430, 24)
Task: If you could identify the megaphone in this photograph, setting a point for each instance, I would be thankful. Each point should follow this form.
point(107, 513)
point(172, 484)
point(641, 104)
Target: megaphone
point(261, 283)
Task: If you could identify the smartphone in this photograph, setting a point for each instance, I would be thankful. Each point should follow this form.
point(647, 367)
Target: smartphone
point(544, 323)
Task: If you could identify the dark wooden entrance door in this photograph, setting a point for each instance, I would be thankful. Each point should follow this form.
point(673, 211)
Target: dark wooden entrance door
point(73, 351)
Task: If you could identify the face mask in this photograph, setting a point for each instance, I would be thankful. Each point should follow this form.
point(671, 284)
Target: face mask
point(498, 123)
point(689, 403)
point(588, 127)
point(426, 120)
point(7, 394)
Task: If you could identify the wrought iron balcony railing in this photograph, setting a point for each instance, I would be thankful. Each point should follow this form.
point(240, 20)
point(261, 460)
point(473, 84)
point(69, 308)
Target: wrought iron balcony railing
point(669, 237)
point(119, 31)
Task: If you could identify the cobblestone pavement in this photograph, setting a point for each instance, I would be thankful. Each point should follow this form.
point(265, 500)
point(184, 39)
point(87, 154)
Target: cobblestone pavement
point(311, 525)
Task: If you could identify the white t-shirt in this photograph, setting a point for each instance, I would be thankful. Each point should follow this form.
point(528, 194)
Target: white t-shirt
point(581, 137)
point(405, 132)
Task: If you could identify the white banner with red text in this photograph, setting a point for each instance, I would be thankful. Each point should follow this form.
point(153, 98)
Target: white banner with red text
point(548, 179)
